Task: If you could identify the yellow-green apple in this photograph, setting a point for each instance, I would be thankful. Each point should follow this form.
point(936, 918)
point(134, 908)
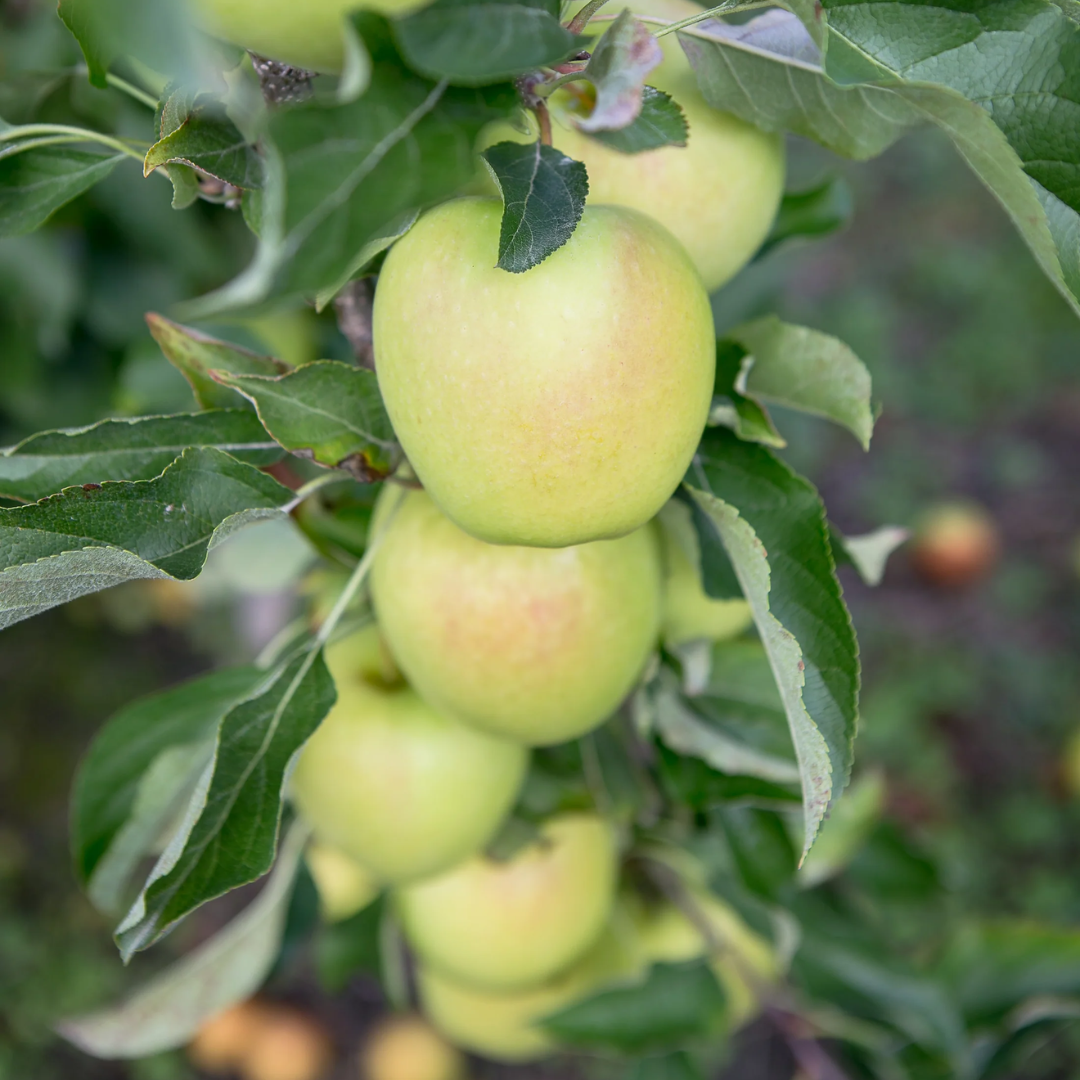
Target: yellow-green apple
point(345, 887)
point(407, 1047)
point(537, 644)
point(551, 407)
point(307, 35)
point(402, 788)
point(718, 195)
point(508, 924)
point(501, 1024)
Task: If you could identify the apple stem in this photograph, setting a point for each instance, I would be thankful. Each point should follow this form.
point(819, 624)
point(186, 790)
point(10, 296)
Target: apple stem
point(581, 19)
point(543, 118)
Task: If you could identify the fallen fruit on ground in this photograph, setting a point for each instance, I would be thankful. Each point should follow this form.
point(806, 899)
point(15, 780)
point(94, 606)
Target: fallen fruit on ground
point(407, 1047)
point(290, 1045)
point(551, 407)
point(505, 925)
point(536, 644)
point(224, 1040)
point(405, 790)
point(956, 544)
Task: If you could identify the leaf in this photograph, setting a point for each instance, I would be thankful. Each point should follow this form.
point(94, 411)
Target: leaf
point(207, 140)
point(196, 354)
point(660, 123)
point(846, 829)
point(229, 835)
point(1000, 83)
point(624, 55)
point(869, 553)
point(344, 948)
point(342, 176)
point(676, 1066)
point(818, 211)
point(736, 408)
point(108, 784)
point(543, 199)
point(91, 537)
point(474, 44)
point(330, 410)
point(772, 525)
point(804, 369)
point(223, 971)
point(676, 1002)
point(136, 449)
point(34, 183)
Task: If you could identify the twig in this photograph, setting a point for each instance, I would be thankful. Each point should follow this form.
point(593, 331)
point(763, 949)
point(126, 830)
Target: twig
point(581, 19)
point(807, 1051)
point(353, 307)
point(282, 84)
point(543, 118)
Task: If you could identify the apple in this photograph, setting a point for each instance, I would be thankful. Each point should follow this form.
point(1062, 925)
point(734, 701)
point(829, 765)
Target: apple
point(345, 887)
point(501, 1024)
point(289, 1045)
point(407, 1047)
point(402, 788)
point(718, 195)
point(536, 644)
point(743, 961)
point(690, 614)
point(956, 544)
point(224, 1040)
point(510, 924)
point(307, 35)
point(552, 407)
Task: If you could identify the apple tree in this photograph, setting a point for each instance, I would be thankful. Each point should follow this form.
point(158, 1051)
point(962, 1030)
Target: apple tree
point(565, 740)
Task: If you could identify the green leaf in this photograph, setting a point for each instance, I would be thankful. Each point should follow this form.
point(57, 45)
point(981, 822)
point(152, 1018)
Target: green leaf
point(676, 1002)
point(846, 829)
point(677, 1066)
point(36, 182)
point(342, 949)
point(230, 832)
point(330, 410)
point(806, 370)
point(818, 211)
point(207, 140)
point(660, 123)
point(196, 354)
point(735, 407)
point(91, 537)
point(772, 525)
point(110, 781)
point(868, 553)
point(624, 55)
point(342, 176)
point(543, 199)
point(691, 781)
point(136, 449)
point(474, 44)
point(223, 971)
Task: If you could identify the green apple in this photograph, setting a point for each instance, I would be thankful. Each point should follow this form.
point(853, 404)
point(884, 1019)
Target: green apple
point(501, 925)
point(690, 614)
point(501, 1024)
point(307, 35)
point(405, 790)
point(345, 887)
point(536, 644)
point(551, 407)
point(718, 195)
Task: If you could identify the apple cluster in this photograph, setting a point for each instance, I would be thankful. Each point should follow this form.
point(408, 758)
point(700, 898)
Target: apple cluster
point(522, 584)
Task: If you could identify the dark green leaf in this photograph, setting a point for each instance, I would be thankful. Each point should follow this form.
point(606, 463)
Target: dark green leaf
point(35, 182)
point(229, 836)
point(474, 44)
point(676, 1002)
point(772, 524)
point(107, 783)
point(223, 971)
point(660, 123)
point(126, 450)
point(330, 410)
point(734, 406)
point(352, 946)
point(718, 577)
point(762, 847)
point(817, 211)
point(91, 537)
point(543, 194)
point(677, 1066)
point(207, 140)
point(690, 780)
point(620, 61)
point(196, 354)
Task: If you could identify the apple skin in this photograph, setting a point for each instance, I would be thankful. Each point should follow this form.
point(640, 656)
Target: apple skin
point(404, 790)
point(345, 887)
point(718, 195)
point(307, 35)
point(956, 544)
point(501, 1024)
point(409, 1048)
point(552, 407)
point(512, 924)
point(536, 644)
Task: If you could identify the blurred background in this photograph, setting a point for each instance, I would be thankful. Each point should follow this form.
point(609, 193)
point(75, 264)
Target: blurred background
point(971, 699)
